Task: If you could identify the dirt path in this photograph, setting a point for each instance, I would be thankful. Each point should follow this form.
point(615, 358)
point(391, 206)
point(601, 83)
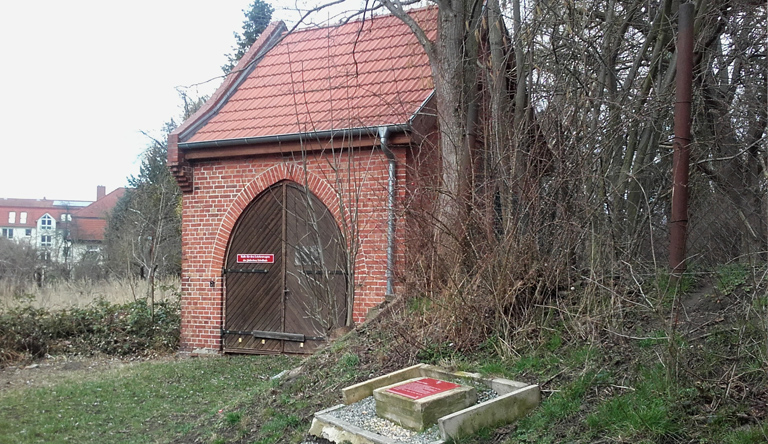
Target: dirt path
point(52, 370)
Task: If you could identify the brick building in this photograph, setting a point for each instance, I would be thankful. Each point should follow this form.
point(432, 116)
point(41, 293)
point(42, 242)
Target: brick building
point(294, 176)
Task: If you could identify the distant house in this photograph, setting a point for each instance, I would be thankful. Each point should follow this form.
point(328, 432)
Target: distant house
point(62, 230)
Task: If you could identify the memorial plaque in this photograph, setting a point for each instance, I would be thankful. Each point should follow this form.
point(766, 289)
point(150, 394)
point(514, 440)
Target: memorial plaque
point(422, 388)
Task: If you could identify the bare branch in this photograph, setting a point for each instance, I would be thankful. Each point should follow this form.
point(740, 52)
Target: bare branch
point(397, 9)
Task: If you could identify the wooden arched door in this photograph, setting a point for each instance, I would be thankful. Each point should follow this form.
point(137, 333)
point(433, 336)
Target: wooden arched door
point(285, 277)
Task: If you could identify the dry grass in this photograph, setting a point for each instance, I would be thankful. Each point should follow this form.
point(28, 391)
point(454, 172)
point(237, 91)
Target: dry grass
point(62, 295)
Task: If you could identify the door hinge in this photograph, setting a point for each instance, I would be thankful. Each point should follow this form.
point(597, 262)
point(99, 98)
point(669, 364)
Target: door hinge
point(294, 337)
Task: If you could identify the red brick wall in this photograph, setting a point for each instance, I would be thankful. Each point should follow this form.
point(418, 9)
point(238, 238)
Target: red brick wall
point(223, 189)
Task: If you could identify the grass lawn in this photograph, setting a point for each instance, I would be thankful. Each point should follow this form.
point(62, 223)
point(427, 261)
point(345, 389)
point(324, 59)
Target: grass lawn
point(149, 402)
point(634, 379)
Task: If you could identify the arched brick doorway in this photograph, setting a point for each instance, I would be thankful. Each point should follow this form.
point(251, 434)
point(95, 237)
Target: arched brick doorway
point(285, 274)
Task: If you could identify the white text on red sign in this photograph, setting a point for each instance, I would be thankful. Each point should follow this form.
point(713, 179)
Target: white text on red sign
point(255, 258)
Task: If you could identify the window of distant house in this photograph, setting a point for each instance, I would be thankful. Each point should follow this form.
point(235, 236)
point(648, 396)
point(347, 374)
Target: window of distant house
point(46, 222)
point(23, 217)
point(66, 217)
point(45, 240)
point(8, 232)
point(11, 217)
point(28, 232)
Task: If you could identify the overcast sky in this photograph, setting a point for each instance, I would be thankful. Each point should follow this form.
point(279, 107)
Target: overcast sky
point(82, 78)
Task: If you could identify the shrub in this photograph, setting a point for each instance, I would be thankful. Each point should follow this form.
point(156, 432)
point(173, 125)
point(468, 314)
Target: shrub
point(114, 329)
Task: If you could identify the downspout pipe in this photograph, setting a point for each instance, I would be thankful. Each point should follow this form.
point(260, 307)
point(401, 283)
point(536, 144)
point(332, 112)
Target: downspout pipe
point(391, 180)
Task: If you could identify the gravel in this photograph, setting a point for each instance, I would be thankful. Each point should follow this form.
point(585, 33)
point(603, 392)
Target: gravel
point(363, 415)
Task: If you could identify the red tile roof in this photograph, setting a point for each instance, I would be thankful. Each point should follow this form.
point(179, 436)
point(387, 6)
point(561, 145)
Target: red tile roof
point(88, 230)
point(360, 74)
point(34, 209)
point(26, 203)
point(101, 207)
point(88, 218)
point(89, 223)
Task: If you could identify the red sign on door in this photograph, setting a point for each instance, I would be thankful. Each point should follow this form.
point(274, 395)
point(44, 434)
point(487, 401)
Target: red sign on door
point(255, 258)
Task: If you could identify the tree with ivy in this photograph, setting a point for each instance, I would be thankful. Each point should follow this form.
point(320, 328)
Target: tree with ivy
point(257, 18)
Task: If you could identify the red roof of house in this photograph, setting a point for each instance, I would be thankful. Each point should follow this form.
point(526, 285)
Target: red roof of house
point(87, 230)
point(89, 223)
point(88, 218)
point(26, 203)
point(357, 75)
point(101, 207)
point(34, 209)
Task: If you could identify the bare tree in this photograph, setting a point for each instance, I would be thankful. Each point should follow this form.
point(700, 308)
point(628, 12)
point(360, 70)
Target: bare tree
point(555, 122)
point(453, 58)
point(144, 230)
point(573, 118)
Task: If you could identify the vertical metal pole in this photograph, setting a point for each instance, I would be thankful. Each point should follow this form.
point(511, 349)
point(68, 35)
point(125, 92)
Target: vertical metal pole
point(283, 253)
point(391, 179)
point(678, 224)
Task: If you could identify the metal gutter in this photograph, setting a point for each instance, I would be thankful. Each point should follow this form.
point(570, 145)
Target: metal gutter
point(391, 179)
point(293, 137)
point(313, 135)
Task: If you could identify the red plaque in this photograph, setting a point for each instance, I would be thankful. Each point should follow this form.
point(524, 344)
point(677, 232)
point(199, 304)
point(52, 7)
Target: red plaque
point(255, 258)
point(422, 388)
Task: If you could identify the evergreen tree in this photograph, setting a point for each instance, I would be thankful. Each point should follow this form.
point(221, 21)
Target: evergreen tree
point(143, 234)
point(257, 18)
